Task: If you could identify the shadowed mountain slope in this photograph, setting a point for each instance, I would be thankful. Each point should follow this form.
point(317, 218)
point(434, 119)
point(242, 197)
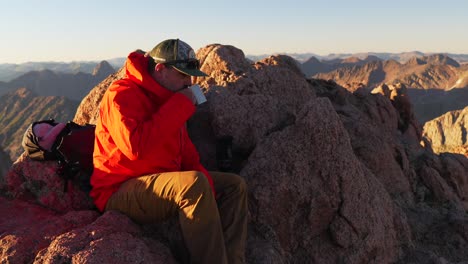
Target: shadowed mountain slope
point(432, 103)
point(22, 107)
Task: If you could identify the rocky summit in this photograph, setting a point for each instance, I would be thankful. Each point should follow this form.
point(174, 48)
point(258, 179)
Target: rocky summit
point(333, 177)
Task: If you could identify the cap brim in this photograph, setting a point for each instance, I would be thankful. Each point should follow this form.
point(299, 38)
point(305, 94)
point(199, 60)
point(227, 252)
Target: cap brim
point(191, 72)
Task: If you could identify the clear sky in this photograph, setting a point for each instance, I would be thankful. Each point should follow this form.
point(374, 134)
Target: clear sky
point(62, 30)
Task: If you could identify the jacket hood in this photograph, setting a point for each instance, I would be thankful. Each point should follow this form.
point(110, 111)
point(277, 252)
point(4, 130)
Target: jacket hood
point(136, 68)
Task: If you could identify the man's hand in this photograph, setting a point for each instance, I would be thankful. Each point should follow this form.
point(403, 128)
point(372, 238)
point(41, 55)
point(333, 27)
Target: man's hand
point(188, 93)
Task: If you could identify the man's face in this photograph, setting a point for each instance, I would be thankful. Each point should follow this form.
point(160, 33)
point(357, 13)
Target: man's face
point(172, 79)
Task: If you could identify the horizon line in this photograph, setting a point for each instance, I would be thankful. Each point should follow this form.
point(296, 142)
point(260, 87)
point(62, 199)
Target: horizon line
point(246, 55)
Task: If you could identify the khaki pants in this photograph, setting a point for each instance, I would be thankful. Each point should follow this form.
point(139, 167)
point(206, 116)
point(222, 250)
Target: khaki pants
point(214, 231)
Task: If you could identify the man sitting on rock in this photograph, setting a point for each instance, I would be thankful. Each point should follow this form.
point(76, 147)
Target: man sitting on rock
point(146, 166)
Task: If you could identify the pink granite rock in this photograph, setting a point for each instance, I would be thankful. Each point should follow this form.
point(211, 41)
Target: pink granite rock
point(112, 238)
point(39, 182)
point(25, 228)
point(323, 204)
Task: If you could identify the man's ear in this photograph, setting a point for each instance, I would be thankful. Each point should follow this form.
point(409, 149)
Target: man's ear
point(159, 67)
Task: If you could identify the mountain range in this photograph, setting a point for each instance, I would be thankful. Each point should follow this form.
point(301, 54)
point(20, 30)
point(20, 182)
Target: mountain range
point(428, 72)
point(429, 80)
point(313, 65)
point(414, 69)
point(9, 71)
point(47, 82)
point(401, 57)
point(436, 83)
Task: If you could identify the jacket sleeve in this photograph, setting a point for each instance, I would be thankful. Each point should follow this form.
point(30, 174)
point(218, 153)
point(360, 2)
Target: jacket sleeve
point(191, 160)
point(138, 134)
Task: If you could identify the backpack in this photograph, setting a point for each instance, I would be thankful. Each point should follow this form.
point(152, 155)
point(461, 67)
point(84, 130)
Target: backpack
point(70, 144)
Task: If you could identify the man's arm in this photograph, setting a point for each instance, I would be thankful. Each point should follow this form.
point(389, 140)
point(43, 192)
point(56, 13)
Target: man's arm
point(136, 137)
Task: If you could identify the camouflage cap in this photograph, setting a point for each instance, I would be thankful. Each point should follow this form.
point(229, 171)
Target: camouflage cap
point(179, 55)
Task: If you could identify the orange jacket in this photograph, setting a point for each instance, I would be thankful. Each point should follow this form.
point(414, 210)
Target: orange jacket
point(141, 130)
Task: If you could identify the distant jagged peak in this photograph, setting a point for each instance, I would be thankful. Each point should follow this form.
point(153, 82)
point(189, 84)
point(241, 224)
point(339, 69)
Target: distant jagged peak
point(416, 61)
point(433, 59)
point(103, 69)
point(370, 65)
point(361, 60)
point(441, 59)
point(312, 60)
point(391, 62)
point(391, 66)
point(371, 58)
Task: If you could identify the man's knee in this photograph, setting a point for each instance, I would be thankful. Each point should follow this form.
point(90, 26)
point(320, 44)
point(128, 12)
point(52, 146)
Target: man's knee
point(196, 181)
point(237, 184)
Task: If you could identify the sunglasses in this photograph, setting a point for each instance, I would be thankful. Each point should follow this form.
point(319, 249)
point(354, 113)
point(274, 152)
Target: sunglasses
point(191, 64)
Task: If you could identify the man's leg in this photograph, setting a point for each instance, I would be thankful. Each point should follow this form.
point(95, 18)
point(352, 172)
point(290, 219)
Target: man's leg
point(231, 193)
point(156, 197)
